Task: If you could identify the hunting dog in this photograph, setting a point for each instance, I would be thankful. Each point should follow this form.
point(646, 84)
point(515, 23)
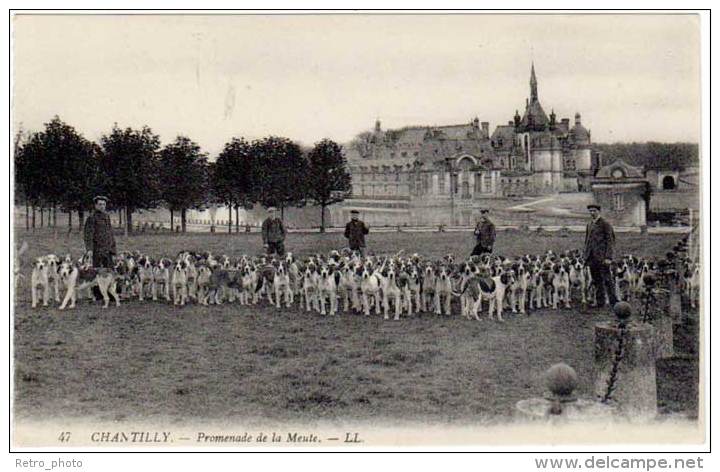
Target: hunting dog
point(327, 289)
point(561, 286)
point(480, 287)
point(40, 285)
point(391, 293)
point(370, 290)
point(180, 283)
point(77, 279)
point(443, 290)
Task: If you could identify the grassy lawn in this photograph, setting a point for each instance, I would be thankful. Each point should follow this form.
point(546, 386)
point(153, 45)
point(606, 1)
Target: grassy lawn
point(152, 360)
point(431, 245)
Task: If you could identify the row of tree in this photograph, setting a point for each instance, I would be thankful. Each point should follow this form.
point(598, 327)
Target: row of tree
point(651, 155)
point(58, 169)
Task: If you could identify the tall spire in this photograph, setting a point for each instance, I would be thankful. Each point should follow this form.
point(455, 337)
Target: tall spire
point(533, 84)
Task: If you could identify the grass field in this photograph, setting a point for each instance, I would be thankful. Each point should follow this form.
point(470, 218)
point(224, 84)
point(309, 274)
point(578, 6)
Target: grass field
point(154, 361)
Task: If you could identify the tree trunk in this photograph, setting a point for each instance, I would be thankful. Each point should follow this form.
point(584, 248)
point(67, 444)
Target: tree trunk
point(33, 217)
point(54, 220)
point(322, 218)
point(69, 221)
point(172, 220)
point(183, 222)
point(81, 220)
point(237, 219)
point(120, 217)
point(42, 217)
point(229, 219)
point(282, 214)
point(27, 215)
point(128, 220)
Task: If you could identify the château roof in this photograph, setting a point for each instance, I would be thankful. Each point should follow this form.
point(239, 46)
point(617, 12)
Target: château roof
point(534, 118)
point(626, 171)
point(504, 134)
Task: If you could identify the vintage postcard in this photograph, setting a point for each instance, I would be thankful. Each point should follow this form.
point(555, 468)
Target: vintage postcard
point(265, 230)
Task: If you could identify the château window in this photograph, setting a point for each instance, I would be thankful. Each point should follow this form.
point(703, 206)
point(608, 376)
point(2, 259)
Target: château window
point(488, 181)
point(619, 202)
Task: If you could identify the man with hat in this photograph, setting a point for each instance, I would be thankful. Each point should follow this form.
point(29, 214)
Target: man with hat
point(273, 233)
point(599, 246)
point(485, 234)
point(355, 231)
point(99, 238)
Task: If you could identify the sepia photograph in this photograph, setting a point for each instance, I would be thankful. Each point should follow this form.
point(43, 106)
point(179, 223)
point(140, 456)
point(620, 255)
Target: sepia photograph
point(235, 230)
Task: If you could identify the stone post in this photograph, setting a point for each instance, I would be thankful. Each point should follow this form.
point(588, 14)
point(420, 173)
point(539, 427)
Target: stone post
point(655, 311)
point(625, 364)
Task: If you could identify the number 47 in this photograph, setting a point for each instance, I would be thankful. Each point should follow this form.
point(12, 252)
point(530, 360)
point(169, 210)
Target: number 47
point(64, 436)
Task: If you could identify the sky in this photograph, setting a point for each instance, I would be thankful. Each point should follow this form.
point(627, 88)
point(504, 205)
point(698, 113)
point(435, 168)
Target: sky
point(309, 77)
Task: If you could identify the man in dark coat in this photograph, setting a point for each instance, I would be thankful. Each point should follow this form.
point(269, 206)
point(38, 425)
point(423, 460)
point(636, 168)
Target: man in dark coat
point(599, 247)
point(273, 233)
point(485, 234)
point(99, 238)
point(355, 231)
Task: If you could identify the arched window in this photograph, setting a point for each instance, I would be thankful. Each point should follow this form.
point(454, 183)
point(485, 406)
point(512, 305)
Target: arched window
point(668, 182)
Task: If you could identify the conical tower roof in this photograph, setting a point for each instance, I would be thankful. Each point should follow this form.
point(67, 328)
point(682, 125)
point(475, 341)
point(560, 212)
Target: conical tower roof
point(534, 118)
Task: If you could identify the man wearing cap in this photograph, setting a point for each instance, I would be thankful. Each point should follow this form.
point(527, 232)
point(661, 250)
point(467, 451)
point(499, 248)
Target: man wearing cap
point(99, 238)
point(355, 231)
point(485, 234)
point(599, 246)
point(273, 233)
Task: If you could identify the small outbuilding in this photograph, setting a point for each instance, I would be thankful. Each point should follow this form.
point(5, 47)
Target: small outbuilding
point(623, 192)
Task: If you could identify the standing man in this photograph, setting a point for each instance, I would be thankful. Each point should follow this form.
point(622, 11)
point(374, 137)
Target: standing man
point(99, 238)
point(485, 234)
point(355, 231)
point(599, 246)
point(273, 233)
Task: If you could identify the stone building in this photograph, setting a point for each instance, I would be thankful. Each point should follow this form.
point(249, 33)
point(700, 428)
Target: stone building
point(420, 175)
point(623, 193)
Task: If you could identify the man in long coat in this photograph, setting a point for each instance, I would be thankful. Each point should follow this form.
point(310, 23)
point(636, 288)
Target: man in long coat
point(355, 231)
point(484, 234)
point(273, 233)
point(99, 238)
point(599, 247)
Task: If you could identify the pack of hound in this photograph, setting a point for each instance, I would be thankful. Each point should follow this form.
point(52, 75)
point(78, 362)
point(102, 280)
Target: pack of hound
point(345, 282)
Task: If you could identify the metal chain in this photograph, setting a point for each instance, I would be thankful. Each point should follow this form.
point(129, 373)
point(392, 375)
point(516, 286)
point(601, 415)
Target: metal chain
point(618, 358)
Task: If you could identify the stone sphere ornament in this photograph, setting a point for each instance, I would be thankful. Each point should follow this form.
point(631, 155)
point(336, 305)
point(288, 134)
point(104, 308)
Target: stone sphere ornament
point(623, 310)
point(561, 380)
